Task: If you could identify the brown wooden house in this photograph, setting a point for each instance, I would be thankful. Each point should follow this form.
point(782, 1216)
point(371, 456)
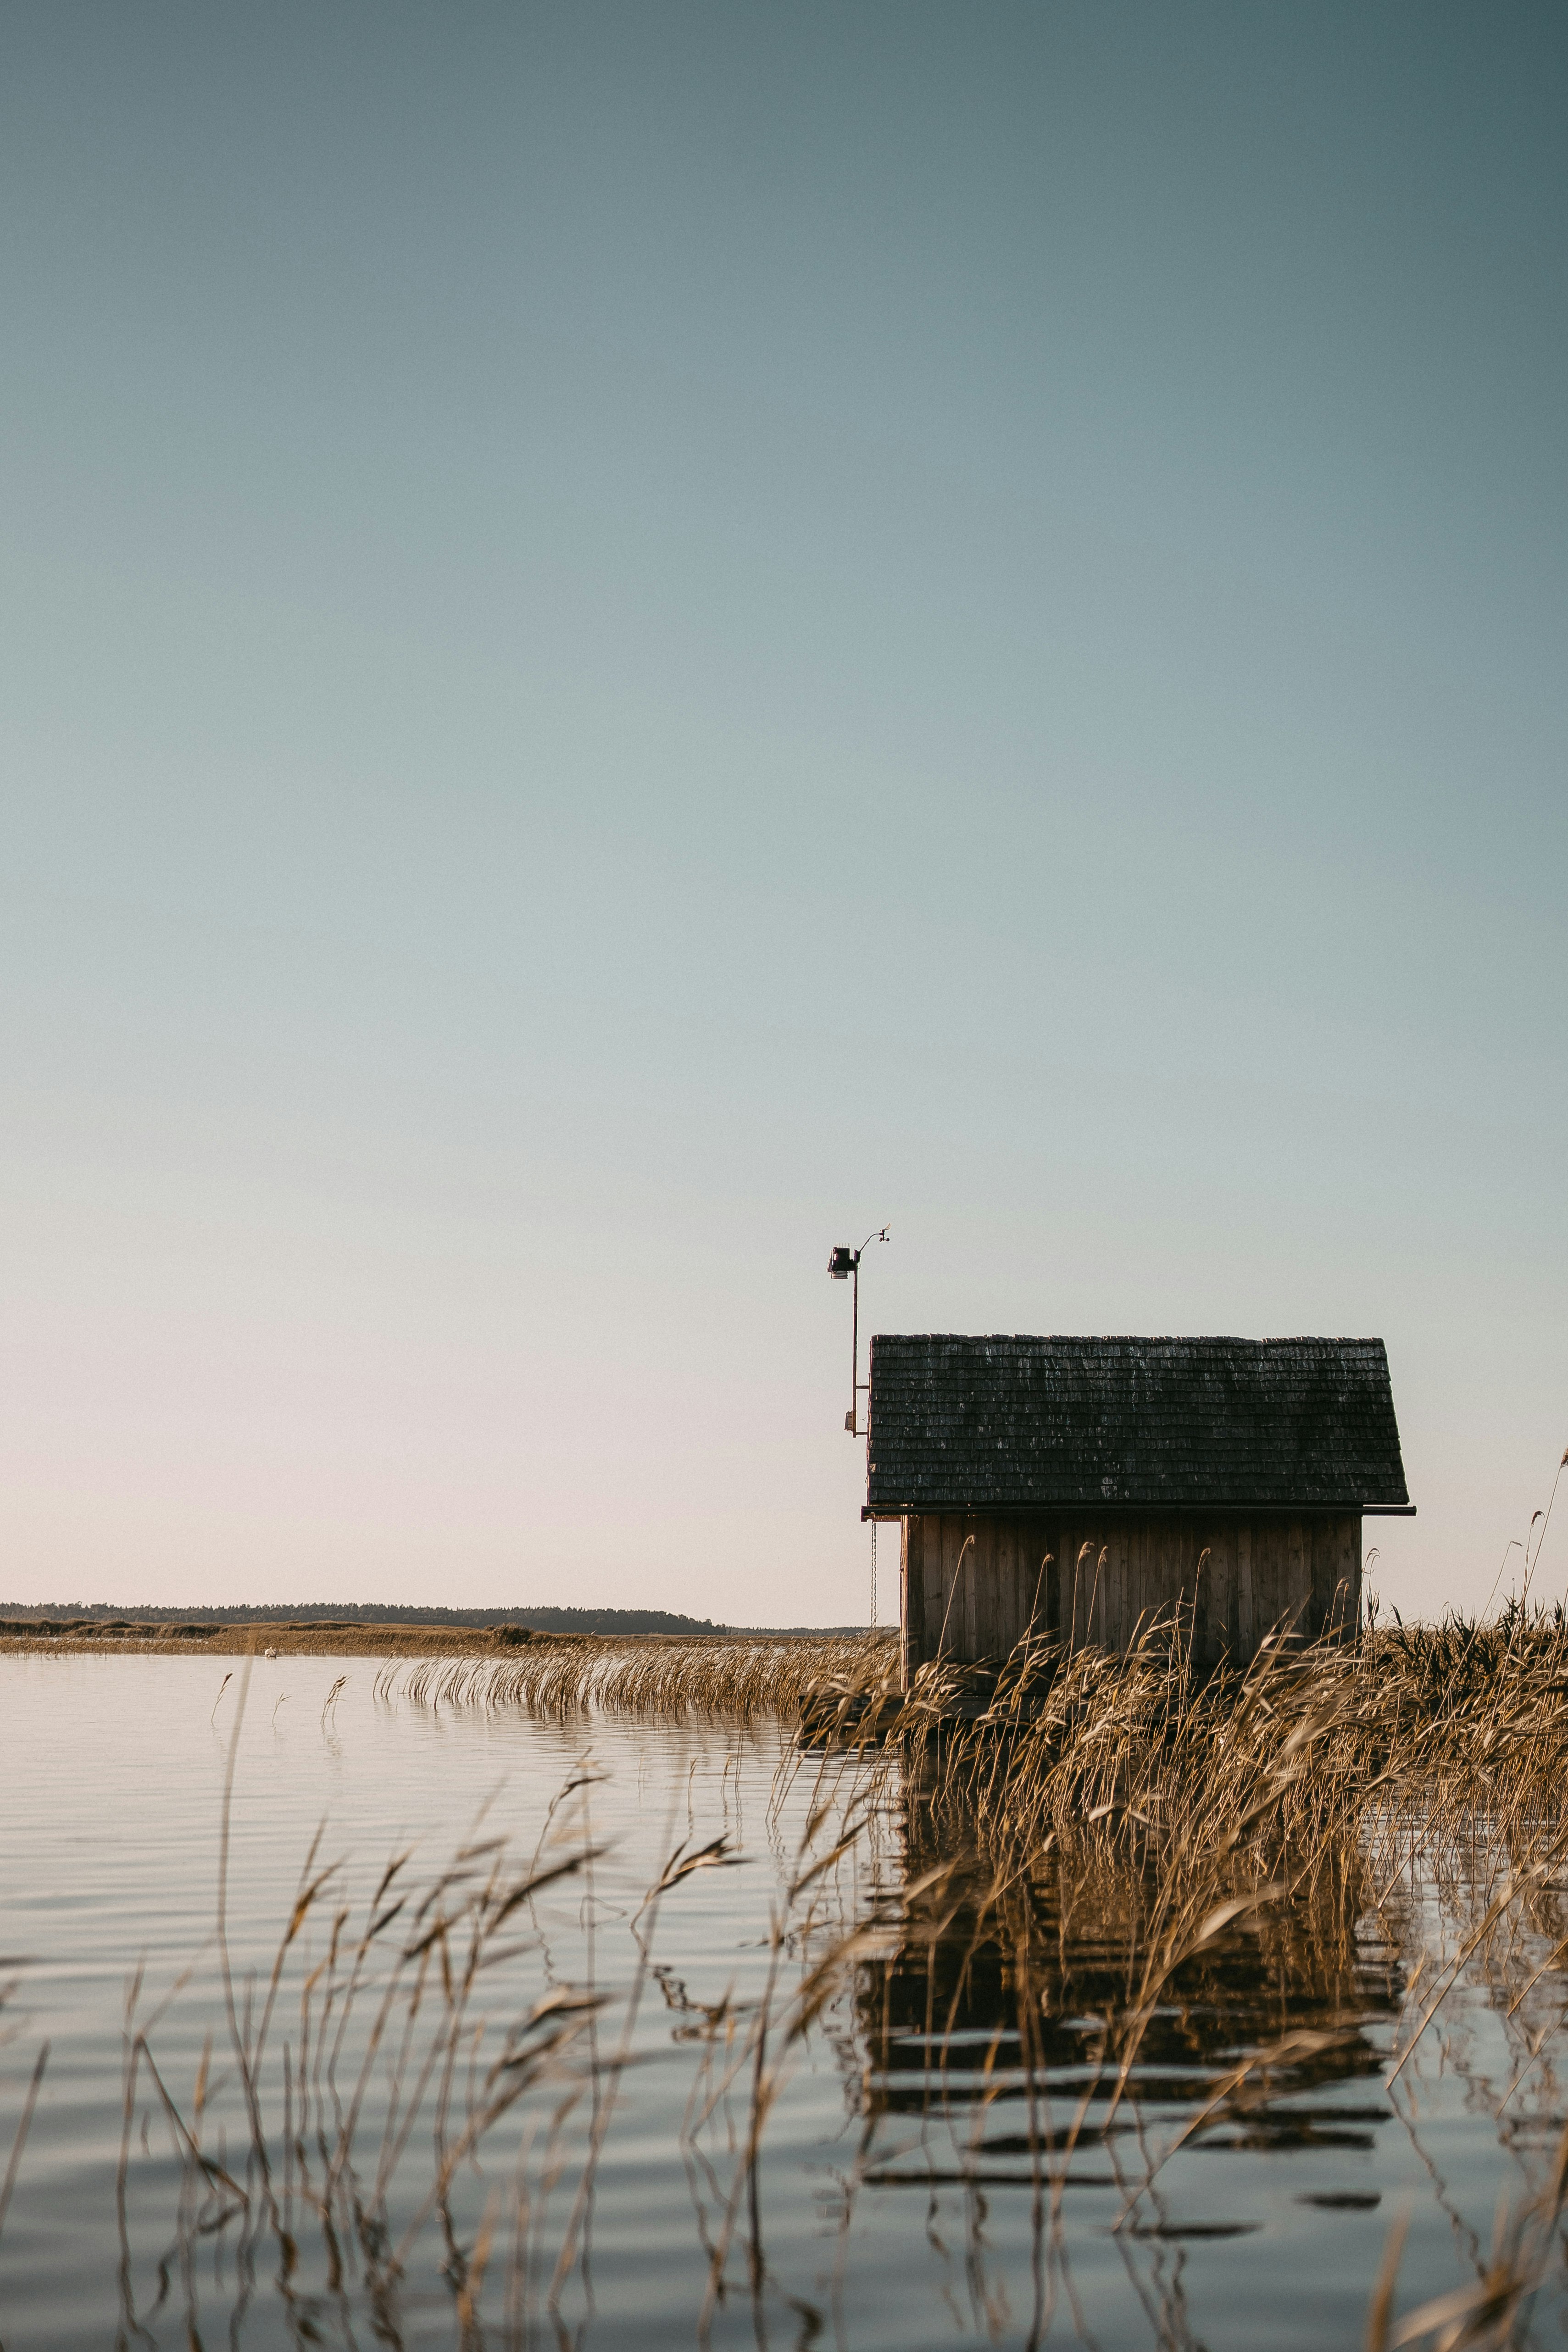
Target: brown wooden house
point(1083, 1485)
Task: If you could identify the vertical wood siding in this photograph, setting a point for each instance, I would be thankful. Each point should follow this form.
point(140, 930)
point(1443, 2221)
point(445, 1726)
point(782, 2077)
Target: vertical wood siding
point(972, 1585)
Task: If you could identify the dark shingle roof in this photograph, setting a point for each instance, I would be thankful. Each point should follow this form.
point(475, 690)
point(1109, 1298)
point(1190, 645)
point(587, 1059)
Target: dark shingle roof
point(1005, 1424)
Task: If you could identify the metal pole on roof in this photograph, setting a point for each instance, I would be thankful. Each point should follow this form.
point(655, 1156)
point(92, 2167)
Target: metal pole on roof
point(845, 1264)
point(881, 1234)
point(855, 1351)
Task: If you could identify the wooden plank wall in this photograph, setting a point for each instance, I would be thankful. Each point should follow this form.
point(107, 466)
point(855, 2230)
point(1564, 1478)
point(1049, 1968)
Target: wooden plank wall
point(972, 1584)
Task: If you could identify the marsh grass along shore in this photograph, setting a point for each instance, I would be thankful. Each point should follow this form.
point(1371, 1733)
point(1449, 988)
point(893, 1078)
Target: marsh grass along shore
point(288, 1637)
point(355, 1638)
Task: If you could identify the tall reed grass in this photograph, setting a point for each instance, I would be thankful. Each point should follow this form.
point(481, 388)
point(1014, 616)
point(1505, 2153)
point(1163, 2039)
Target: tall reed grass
point(412, 2099)
point(737, 1681)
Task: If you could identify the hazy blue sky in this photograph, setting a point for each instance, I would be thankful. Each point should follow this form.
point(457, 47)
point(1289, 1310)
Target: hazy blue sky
point(638, 637)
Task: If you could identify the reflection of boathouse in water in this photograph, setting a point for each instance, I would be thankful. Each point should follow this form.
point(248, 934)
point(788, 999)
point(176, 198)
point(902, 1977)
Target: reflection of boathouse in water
point(1007, 1994)
point(1083, 1486)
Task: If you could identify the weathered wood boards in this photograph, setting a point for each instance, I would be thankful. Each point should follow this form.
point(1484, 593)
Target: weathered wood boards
point(975, 1583)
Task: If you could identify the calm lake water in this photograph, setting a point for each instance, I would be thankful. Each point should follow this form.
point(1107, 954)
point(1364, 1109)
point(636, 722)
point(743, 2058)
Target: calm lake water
point(922, 2180)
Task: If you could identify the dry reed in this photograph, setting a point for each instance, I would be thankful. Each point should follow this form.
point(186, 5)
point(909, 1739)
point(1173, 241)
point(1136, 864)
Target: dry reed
point(738, 1680)
point(372, 2088)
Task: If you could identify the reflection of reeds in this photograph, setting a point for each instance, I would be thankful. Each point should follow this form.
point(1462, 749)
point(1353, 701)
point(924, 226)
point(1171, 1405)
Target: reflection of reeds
point(1494, 2309)
point(19, 2139)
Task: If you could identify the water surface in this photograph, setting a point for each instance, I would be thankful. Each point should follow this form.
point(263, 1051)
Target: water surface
point(942, 2159)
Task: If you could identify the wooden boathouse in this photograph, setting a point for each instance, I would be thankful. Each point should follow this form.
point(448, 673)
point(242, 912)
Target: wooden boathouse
point(1082, 1486)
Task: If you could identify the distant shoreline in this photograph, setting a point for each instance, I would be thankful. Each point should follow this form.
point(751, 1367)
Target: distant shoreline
point(541, 1619)
point(256, 1636)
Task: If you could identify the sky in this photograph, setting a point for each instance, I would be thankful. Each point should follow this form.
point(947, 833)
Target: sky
point(639, 638)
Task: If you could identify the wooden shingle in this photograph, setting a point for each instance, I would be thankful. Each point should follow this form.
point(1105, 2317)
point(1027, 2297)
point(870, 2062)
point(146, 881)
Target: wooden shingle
point(1011, 1424)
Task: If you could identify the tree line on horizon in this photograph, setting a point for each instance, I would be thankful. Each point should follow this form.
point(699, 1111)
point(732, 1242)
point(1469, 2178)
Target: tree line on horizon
point(543, 1620)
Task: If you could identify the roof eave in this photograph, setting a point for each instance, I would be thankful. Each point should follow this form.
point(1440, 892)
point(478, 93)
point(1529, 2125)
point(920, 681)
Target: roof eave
point(971, 1510)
